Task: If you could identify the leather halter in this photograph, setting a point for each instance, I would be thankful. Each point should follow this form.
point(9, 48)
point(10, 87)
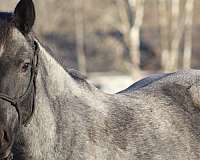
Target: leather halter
point(16, 102)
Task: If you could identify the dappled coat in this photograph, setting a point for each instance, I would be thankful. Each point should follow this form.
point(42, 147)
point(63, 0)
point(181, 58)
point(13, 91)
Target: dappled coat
point(158, 121)
point(157, 118)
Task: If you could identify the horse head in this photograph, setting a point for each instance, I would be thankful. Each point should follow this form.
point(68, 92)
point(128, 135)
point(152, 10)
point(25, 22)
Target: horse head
point(18, 68)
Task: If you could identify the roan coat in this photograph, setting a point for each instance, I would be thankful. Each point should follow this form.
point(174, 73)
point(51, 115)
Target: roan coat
point(156, 119)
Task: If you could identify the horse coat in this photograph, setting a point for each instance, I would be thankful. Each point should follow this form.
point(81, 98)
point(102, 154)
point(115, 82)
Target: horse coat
point(74, 120)
point(157, 118)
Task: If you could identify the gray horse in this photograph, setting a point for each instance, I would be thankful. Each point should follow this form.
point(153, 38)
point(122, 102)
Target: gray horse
point(48, 113)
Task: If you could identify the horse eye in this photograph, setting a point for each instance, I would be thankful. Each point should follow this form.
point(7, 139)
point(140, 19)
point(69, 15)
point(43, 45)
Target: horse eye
point(25, 67)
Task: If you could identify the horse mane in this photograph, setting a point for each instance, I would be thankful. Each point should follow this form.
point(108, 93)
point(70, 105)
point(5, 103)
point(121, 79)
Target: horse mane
point(75, 74)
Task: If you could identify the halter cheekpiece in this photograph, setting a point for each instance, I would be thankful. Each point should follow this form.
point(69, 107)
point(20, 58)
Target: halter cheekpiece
point(31, 89)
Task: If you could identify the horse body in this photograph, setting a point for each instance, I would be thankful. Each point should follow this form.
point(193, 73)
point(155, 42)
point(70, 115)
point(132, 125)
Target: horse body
point(68, 127)
point(157, 118)
point(75, 121)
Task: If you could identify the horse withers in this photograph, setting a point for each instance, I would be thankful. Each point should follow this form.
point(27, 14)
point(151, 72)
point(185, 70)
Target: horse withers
point(49, 113)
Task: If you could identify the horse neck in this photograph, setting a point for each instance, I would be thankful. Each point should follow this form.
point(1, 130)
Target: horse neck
point(63, 103)
point(55, 83)
point(55, 78)
point(58, 84)
point(53, 86)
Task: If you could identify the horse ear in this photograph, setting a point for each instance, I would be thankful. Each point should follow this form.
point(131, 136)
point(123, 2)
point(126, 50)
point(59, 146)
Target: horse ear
point(25, 16)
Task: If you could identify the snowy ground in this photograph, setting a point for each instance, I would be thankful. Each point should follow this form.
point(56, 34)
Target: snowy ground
point(113, 82)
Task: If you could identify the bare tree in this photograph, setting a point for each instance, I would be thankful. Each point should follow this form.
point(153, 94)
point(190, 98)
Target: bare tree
point(131, 13)
point(176, 34)
point(138, 6)
point(79, 29)
point(188, 34)
point(164, 33)
point(122, 7)
point(172, 28)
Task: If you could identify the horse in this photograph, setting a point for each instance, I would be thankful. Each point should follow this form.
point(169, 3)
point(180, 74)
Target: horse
point(50, 113)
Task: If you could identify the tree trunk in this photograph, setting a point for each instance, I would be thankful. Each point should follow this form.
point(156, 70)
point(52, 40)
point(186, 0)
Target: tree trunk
point(188, 34)
point(123, 15)
point(164, 33)
point(176, 34)
point(79, 29)
point(138, 6)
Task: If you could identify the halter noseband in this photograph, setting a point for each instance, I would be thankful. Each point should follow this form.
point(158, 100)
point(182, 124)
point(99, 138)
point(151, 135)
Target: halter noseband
point(15, 102)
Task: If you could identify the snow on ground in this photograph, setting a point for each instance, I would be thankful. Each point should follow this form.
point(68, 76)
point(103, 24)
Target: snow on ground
point(114, 82)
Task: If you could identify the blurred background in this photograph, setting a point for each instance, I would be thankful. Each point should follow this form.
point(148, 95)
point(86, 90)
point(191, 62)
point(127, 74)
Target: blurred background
point(116, 42)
